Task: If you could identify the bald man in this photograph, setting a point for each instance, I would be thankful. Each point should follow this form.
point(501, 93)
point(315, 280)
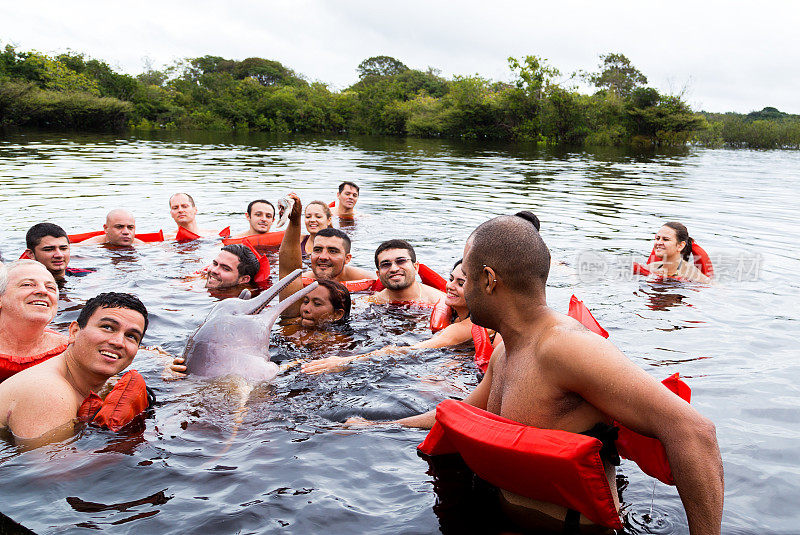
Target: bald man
point(553, 373)
point(184, 213)
point(120, 230)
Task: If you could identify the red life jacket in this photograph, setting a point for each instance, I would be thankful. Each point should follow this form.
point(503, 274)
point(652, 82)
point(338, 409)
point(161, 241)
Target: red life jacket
point(11, 364)
point(701, 262)
point(483, 347)
point(128, 399)
point(578, 311)
point(529, 461)
point(145, 236)
point(183, 235)
point(441, 316)
point(268, 239)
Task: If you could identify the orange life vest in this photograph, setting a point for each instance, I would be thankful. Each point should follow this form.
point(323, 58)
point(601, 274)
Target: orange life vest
point(701, 262)
point(268, 239)
point(183, 235)
point(11, 364)
point(528, 461)
point(145, 237)
point(128, 399)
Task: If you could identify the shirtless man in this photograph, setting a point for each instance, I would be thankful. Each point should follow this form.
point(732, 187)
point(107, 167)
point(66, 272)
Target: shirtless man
point(28, 303)
point(329, 256)
point(346, 201)
point(260, 216)
point(553, 373)
point(397, 266)
point(44, 400)
point(235, 265)
point(184, 213)
point(120, 230)
point(48, 244)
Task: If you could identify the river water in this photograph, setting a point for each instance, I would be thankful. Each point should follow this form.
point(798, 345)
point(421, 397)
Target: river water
point(292, 467)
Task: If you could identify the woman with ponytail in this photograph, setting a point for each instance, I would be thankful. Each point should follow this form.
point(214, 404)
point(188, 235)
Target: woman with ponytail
point(673, 249)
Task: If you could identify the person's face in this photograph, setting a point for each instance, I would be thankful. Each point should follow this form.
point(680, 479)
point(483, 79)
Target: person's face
point(261, 217)
point(348, 197)
point(666, 242)
point(31, 295)
point(224, 272)
point(395, 269)
point(317, 310)
point(120, 229)
point(181, 209)
point(53, 253)
point(110, 340)
point(316, 219)
point(328, 257)
point(454, 291)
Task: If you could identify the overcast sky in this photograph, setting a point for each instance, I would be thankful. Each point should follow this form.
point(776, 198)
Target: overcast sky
point(726, 56)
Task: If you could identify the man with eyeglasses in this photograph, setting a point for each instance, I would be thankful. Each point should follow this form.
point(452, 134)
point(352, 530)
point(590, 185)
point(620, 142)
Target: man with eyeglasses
point(397, 269)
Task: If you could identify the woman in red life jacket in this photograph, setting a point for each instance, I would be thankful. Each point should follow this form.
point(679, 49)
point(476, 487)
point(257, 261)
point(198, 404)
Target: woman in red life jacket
point(28, 302)
point(673, 252)
point(457, 332)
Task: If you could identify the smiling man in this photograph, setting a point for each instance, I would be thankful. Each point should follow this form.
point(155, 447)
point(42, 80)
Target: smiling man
point(44, 399)
point(235, 265)
point(330, 254)
point(119, 230)
point(397, 267)
point(260, 216)
point(346, 199)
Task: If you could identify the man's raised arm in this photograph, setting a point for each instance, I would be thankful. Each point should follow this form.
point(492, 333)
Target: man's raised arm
point(596, 370)
point(290, 257)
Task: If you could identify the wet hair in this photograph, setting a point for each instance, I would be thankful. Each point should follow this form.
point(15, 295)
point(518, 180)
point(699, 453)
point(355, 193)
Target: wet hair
point(513, 248)
point(250, 206)
point(339, 297)
point(527, 215)
point(682, 234)
point(331, 232)
point(111, 300)
point(5, 271)
point(348, 183)
point(395, 244)
point(248, 261)
point(458, 263)
point(40, 230)
point(325, 208)
point(191, 200)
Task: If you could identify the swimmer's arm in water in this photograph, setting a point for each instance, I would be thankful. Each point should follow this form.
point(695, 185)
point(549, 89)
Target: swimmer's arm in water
point(452, 335)
point(477, 398)
point(290, 256)
point(593, 368)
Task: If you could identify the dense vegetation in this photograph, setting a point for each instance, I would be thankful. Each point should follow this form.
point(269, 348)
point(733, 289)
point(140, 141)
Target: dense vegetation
point(75, 92)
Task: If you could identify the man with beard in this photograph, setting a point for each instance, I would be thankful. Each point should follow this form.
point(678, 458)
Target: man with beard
point(397, 267)
point(330, 255)
point(235, 265)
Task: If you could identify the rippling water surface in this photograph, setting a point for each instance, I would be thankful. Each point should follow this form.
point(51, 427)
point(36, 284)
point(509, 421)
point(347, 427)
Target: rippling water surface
point(292, 467)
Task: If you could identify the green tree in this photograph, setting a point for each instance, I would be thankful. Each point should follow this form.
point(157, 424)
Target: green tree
point(617, 75)
point(380, 66)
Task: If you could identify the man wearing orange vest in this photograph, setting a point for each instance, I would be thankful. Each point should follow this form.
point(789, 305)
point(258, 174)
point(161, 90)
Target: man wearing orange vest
point(552, 373)
point(40, 404)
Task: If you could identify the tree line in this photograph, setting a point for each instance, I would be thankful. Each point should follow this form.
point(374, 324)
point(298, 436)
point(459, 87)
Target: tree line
point(72, 91)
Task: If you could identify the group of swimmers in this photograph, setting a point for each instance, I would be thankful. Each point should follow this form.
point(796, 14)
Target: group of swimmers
point(546, 370)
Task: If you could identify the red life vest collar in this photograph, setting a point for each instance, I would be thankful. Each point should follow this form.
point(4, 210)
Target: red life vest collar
point(128, 399)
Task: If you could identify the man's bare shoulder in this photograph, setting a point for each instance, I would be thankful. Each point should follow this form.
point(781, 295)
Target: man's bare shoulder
point(563, 337)
point(352, 273)
point(430, 294)
point(95, 240)
point(37, 394)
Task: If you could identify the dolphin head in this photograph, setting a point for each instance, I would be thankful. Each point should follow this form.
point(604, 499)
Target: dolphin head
point(234, 338)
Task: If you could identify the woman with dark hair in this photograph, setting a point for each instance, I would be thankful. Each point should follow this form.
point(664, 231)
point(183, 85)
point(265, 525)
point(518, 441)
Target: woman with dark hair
point(458, 332)
point(673, 246)
point(318, 216)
